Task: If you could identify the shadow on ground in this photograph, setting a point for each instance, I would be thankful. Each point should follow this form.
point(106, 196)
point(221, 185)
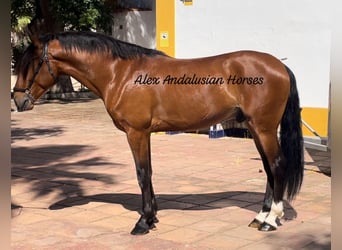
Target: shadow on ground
point(48, 170)
point(321, 159)
point(206, 201)
point(30, 134)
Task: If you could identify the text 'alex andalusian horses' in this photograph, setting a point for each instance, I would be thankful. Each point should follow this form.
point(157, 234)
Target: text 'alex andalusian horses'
point(145, 91)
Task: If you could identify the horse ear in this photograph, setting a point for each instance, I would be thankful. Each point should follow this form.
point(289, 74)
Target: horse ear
point(33, 31)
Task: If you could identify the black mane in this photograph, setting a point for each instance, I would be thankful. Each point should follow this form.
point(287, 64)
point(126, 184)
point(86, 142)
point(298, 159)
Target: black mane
point(88, 42)
point(99, 43)
point(25, 61)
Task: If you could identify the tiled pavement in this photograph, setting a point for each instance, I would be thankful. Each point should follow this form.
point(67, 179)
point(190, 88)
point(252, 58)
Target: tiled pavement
point(74, 187)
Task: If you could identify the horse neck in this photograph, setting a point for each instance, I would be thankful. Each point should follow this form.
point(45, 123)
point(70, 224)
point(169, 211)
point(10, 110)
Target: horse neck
point(88, 69)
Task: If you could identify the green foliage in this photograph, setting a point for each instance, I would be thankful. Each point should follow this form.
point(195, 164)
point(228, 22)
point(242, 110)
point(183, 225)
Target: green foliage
point(22, 23)
point(72, 15)
point(66, 14)
point(21, 9)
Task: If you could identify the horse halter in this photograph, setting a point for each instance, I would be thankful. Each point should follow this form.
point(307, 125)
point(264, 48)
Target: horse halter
point(43, 58)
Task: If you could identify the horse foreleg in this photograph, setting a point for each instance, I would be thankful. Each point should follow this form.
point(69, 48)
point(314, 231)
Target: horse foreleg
point(140, 145)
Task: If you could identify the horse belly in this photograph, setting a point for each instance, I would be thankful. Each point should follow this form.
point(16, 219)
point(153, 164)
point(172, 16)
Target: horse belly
point(191, 113)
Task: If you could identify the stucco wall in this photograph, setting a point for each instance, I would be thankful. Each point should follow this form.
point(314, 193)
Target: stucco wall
point(296, 30)
point(138, 27)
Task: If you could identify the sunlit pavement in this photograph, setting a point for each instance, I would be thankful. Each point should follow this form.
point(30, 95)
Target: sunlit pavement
point(74, 187)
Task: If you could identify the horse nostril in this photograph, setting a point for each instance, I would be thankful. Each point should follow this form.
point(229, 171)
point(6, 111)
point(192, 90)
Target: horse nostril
point(25, 104)
point(16, 103)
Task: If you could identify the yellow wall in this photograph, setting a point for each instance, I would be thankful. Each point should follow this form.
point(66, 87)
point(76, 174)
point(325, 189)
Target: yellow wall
point(317, 118)
point(165, 26)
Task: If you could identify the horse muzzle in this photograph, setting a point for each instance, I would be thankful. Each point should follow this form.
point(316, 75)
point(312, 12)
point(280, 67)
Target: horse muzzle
point(22, 102)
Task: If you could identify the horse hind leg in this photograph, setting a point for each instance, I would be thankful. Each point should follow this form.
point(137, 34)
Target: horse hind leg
point(265, 210)
point(273, 161)
point(267, 203)
point(277, 208)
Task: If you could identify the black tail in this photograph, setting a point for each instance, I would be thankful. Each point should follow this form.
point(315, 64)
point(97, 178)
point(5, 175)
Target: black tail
point(291, 141)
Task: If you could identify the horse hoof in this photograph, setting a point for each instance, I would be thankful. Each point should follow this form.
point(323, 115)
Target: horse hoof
point(142, 227)
point(155, 219)
point(139, 230)
point(255, 224)
point(265, 227)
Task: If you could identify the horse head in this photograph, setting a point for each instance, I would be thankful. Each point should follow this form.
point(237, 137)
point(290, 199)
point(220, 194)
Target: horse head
point(35, 73)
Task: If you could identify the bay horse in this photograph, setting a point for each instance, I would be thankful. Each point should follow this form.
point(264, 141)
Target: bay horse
point(146, 91)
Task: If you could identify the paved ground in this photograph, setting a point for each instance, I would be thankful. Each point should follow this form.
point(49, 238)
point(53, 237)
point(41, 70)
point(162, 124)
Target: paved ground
point(74, 187)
